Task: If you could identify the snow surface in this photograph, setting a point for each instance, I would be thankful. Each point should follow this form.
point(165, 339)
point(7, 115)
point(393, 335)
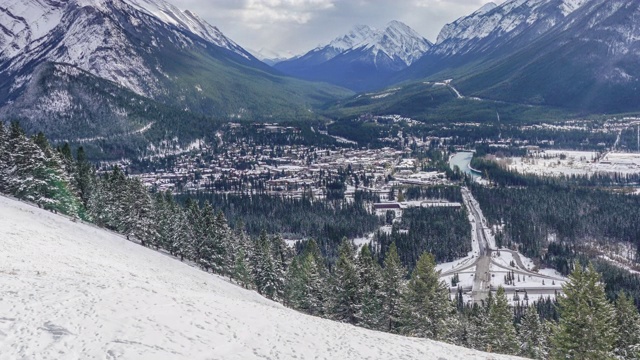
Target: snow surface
point(73, 291)
point(550, 163)
point(503, 21)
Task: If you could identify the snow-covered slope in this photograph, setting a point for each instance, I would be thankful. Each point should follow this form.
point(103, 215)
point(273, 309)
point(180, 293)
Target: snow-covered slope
point(72, 291)
point(189, 21)
point(361, 57)
point(491, 26)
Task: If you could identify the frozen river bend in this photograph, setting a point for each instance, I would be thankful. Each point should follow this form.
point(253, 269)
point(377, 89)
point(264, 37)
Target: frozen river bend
point(71, 291)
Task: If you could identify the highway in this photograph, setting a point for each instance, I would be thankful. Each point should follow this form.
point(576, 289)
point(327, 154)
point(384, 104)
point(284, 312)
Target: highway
point(483, 262)
point(482, 277)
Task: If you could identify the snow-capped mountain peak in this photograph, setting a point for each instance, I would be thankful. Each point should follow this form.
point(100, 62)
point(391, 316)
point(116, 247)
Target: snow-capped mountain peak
point(185, 20)
point(359, 35)
point(396, 40)
point(486, 8)
point(90, 34)
point(498, 23)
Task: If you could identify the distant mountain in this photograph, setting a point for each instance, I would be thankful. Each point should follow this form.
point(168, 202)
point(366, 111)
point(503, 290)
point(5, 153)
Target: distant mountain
point(489, 33)
point(580, 55)
point(150, 48)
point(361, 59)
point(588, 62)
point(493, 26)
point(270, 57)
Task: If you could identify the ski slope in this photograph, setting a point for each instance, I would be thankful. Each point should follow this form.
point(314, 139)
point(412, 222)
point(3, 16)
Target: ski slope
point(72, 291)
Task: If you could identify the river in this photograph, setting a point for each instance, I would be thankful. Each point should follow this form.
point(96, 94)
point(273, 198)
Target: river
point(462, 160)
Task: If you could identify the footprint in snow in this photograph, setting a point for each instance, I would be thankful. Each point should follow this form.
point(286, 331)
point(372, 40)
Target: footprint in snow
point(56, 331)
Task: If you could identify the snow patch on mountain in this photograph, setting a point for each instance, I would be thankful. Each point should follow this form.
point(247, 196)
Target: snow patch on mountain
point(569, 6)
point(24, 21)
point(74, 291)
point(188, 21)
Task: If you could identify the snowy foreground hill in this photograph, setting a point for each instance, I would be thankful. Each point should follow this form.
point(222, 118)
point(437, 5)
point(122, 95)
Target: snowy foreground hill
point(72, 291)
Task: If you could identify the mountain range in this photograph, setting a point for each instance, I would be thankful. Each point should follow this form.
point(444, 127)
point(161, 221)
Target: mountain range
point(69, 64)
point(579, 55)
point(360, 59)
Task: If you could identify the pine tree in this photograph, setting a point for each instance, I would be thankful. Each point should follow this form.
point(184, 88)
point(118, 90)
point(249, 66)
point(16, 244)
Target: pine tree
point(345, 294)
point(393, 280)
point(281, 258)
point(84, 175)
point(370, 284)
point(97, 203)
point(5, 159)
point(36, 174)
point(478, 324)
point(220, 240)
point(143, 226)
point(180, 236)
point(628, 328)
point(427, 307)
point(242, 270)
point(501, 334)
point(586, 329)
point(265, 273)
point(295, 285)
point(532, 336)
point(306, 287)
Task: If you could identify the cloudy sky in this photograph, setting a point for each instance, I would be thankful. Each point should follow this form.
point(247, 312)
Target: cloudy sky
point(296, 26)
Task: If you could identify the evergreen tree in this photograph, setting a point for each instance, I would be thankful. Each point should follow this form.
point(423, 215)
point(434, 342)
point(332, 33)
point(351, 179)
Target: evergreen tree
point(345, 294)
point(98, 203)
point(265, 275)
point(586, 329)
point(281, 258)
point(501, 334)
point(84, 176)
point(220, 240)
point(478, 324)
point(628, 328)
point(393, 278)
point(143, 226)
point(5, 158)
point(533, 336)
point(242, 270)
point(370, 284)
point(34, 172)
point(306, 281)
point(180, 236)
point(427, 308)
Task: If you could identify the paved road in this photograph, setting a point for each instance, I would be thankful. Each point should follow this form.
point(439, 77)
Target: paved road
point(482, 277)
point(483, 262)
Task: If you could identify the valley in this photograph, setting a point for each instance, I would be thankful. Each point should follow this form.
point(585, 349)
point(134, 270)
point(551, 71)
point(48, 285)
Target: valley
point(467, 192)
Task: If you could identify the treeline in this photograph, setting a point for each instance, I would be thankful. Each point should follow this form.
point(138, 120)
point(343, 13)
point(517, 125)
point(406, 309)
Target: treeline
point(33, 171)
point(534, 215)
point(497, 175)
point(443, 232)
point(441, 192)
point(296, 219)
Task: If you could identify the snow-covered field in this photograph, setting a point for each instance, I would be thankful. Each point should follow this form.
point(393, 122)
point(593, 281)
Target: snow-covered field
point(566, 162)
point(72, 291)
